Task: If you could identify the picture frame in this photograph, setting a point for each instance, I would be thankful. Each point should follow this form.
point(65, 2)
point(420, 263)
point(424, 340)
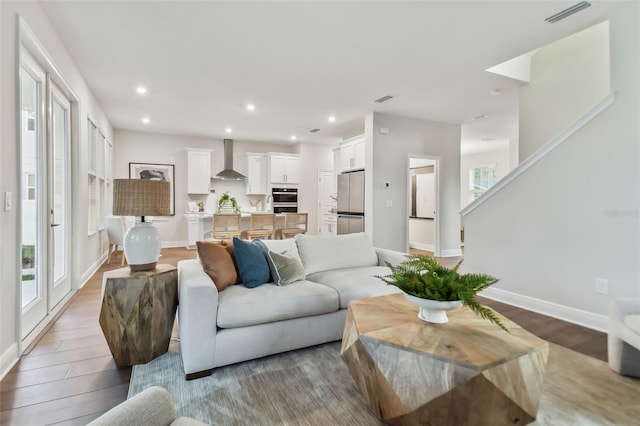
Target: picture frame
point(155, 171)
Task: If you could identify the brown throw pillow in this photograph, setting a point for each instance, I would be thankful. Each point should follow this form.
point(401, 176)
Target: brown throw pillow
point(217, 261)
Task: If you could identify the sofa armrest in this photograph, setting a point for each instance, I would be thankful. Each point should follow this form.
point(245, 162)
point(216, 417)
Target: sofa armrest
point(153, 406)
point(197, 316)
point(391, 256)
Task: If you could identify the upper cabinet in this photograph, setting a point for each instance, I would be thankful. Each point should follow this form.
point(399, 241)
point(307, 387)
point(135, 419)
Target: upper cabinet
point(285, 168)
point(257, 174)
point(198, 170)
point(352, 154)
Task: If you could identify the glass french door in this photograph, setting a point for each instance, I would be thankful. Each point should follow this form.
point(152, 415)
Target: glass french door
point(45, 185)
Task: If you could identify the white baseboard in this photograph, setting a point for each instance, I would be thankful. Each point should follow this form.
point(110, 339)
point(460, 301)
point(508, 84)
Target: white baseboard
point(422, 246)
point(172, 244)
point(8, 359)
point(451, 253)
point(586, 319)
point(92, 270)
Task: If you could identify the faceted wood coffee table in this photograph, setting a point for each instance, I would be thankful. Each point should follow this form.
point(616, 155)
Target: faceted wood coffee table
point(465, 372)
point(138, 311)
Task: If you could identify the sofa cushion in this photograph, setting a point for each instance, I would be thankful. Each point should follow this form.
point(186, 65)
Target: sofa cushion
point(251, 258)
point(324, 253)
point(286, 267)
point(239, 306)
point(217, 261)
point(355, 283)
point(633, 323)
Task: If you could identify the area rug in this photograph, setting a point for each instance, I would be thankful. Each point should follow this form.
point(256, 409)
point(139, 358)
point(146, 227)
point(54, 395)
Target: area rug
point(312, 386)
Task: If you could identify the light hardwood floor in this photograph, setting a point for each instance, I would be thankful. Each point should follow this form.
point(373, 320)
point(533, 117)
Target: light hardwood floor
point(69, 378)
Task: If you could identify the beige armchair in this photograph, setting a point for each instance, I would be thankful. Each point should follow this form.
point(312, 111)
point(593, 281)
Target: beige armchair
point(153, 406)
point(623, 340)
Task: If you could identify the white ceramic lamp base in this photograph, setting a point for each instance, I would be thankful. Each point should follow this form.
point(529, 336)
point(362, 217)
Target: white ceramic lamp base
point(142, 246)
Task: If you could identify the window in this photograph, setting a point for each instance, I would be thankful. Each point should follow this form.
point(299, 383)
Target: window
point(481, 178)
point(30, 179)
point(99, 177)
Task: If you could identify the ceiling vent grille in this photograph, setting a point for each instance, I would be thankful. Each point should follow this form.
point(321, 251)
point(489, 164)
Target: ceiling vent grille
point(383, 99)
point(568, 12)
point(314, 130)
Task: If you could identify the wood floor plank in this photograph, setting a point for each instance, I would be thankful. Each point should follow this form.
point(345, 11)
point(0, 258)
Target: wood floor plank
point(65, 408)
point(38, 361)
point(45, 392)
point(72, 334)
point(94, 365)
point(34, 377)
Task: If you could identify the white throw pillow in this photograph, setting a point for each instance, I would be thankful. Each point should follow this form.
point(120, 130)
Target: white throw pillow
point(323, 253)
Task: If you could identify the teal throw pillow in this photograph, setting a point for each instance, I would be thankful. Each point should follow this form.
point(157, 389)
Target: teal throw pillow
point(251, 258)
point(285, 267)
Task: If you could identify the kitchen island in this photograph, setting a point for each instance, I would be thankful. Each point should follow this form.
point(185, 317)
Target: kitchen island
point(200, 225)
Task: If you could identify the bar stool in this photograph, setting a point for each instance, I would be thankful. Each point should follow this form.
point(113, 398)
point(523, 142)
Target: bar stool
point(262, 225)
point(294, 224)
point(226, 225)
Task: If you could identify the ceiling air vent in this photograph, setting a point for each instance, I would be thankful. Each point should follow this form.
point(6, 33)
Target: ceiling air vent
point(383, 99)
point(314, 130)
point(568, 12)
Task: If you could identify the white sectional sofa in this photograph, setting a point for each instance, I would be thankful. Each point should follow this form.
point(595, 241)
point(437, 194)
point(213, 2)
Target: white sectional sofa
point(240, 323)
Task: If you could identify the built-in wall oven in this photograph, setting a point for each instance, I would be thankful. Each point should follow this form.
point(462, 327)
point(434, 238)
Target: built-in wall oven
point(285, 200)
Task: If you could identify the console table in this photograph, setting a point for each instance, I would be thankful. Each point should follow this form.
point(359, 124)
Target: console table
point(138, 311)
point(467, 371)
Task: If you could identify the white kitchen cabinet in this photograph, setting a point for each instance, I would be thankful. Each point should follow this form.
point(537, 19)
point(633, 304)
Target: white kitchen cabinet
point(256, 174)
point(198, 171)
point(329, 226)
point(352, 154)
point(285, 168)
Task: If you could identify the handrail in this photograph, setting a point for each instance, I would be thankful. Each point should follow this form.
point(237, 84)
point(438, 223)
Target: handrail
point(542, 152)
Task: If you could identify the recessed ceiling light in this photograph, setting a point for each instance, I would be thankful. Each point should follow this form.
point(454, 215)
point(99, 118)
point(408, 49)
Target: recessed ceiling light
point(228, 130)
point(480, 117)
point(146, 120)
point(141, 90)
point(293, 137)
point(251, 107)
point(331, 119)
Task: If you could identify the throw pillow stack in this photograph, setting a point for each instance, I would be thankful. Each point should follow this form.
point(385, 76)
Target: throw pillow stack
point(248, 262)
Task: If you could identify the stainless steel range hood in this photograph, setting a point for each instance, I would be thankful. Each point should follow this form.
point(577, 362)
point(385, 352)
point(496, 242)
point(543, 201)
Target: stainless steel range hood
point(228, 173)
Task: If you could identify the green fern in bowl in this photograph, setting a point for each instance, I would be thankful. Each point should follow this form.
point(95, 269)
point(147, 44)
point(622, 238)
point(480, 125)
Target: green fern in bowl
point(228, 199)
point(423, 277)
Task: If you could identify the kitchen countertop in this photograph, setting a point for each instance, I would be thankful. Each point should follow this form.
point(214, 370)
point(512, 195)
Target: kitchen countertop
point(210, 215)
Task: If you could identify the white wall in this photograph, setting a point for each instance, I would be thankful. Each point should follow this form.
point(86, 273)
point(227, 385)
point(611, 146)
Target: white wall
point(85, 249)
point(146, 147)
point(422, 233)
point(574, 73)
point(574, 216)
point(500, 159)
point(387, 159)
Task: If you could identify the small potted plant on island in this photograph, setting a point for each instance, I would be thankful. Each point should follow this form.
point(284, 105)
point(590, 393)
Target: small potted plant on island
point(436, 289)
point(228, 204)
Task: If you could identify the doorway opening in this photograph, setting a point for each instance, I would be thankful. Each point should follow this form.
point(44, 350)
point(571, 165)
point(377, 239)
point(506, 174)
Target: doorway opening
point(423, 231)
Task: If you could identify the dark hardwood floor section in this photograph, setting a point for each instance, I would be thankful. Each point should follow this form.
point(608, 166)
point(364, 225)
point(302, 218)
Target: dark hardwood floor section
point(69, 378)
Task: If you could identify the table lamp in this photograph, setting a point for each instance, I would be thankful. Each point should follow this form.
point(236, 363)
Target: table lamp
point(141, 197)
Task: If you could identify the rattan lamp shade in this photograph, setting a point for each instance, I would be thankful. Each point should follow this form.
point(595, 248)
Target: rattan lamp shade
point(141, 197)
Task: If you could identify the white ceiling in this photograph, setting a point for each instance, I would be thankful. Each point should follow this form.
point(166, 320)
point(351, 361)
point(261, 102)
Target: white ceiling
point(301, 61)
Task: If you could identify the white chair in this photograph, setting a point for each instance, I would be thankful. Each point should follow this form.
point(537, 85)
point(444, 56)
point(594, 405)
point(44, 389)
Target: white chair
point(115, 231)
point(623, 339)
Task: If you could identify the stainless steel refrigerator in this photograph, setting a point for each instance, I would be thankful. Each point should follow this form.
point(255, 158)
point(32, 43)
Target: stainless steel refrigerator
point(350, 202)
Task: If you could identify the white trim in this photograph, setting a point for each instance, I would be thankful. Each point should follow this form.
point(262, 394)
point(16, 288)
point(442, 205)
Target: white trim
point(576, 316)
point(173, 244)
point(451, 253)
point(8, 359)
point(543, 151)
point(421, 246)
point(92, 270)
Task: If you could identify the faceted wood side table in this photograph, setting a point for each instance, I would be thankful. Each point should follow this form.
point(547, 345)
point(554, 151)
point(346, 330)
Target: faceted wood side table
point(465, 372)
point(138, 311)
